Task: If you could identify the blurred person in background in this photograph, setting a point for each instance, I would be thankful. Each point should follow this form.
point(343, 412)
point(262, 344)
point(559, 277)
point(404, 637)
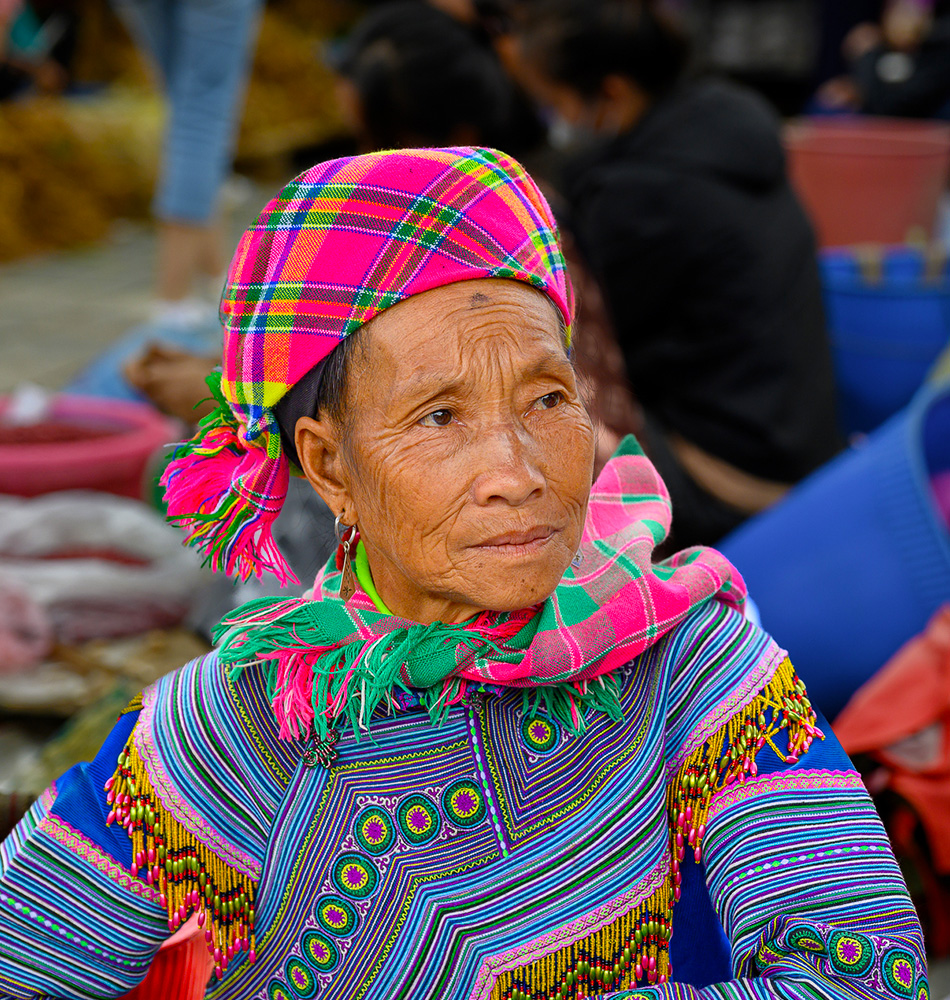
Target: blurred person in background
point(37, 41)
point(899, 66)
point(681, 206)
point(202, 51)
point(411, 74)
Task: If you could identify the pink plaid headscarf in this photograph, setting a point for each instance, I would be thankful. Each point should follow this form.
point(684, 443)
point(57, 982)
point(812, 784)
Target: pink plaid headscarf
point(341, 243)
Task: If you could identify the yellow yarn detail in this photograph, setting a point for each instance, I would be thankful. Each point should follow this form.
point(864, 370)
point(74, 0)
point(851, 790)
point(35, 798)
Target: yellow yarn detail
point(187, 875)
point(135, 705)
point(633, 948)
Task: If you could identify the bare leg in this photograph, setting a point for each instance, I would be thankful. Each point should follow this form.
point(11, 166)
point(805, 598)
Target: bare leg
point(213, 259)
point(185, 252)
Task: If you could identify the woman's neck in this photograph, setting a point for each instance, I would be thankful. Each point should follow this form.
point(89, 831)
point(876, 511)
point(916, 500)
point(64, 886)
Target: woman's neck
point(384, 590)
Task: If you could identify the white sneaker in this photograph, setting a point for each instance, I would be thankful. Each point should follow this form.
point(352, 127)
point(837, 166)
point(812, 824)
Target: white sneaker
point(183, 313)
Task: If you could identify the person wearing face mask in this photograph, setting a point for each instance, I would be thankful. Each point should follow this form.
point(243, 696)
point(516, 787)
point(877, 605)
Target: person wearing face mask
point(681, 206)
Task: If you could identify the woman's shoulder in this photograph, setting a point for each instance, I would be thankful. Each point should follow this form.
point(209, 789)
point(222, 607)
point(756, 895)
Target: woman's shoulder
point(209, 744)
point(712, 663)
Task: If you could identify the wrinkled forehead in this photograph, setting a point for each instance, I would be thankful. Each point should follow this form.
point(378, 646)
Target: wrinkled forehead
point(443, 335)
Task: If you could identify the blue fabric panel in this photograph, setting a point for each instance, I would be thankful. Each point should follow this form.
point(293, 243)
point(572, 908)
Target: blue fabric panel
point(81, 797)
point(699, 949)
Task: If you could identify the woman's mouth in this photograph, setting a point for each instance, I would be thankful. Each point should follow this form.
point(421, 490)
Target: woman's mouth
point(519, 543)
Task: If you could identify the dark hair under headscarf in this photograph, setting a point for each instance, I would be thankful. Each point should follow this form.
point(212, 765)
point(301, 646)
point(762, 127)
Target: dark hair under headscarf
point(580, 42)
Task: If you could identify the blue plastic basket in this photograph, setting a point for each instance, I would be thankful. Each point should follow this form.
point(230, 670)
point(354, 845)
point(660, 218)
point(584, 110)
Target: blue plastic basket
point(103, 376)
point(885, 336)
point(855, 560)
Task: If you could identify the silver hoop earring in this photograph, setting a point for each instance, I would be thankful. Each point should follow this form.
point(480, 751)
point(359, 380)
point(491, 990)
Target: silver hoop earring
point(343, 532)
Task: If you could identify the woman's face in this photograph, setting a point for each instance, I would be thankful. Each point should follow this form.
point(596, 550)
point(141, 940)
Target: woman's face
point(615, 108)
point(466, 455)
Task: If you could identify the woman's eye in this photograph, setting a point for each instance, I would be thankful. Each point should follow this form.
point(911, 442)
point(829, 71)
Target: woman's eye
point(438, 418)
point(549, 401)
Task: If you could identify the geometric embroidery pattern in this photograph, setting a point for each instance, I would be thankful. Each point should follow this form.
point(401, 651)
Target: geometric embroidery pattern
point(336, 916)
point(320, 951)
point(899, 971)
point(374, 830)
point(355, 876)
point(463, 803)
point(805, 938)
point(851, 953)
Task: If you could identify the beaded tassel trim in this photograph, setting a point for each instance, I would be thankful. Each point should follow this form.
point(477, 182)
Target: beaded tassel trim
point(728, 757)
point(135, 705)
point(634, 950)
point(188, 876)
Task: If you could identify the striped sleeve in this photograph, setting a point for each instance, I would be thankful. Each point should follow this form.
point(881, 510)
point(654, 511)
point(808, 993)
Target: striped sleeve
point(197, 784)
point(75, 922)
point(796, 861)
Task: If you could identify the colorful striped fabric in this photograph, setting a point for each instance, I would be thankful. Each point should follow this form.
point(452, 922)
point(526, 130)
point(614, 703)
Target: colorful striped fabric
point(495, 857)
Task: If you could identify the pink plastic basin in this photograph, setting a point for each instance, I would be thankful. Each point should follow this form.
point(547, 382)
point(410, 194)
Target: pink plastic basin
point(113, 463)
point(868, 180)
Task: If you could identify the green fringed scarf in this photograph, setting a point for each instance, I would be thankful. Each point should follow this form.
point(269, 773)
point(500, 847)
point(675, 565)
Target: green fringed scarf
point(327, 661)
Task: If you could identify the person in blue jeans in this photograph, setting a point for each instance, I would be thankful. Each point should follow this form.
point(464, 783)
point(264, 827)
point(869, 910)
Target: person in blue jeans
point(202, 50)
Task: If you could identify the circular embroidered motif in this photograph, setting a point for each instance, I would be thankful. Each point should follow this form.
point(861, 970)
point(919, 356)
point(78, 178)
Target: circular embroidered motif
point(418, 819)
point(374, 830)
point(463, 803)
point(923, 990)
point(899, 971)
point(355, 876)
point(851, 954)
point(768, 955)
point(276, 990)
point(540, 735)
point(320, 951)
point(301, 979)
point(336, 916)
point(805, 938)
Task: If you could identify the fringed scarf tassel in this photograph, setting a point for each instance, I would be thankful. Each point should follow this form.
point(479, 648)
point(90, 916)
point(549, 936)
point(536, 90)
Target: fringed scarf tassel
point(225, 494)
point(313, 682)
point(188, 877)
point(568, 703)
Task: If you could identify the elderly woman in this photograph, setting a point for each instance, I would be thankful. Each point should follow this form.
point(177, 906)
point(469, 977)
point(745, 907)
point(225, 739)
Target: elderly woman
point(496, 753)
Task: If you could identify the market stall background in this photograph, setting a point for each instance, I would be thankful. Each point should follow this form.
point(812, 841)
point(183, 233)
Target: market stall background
point(77, 267)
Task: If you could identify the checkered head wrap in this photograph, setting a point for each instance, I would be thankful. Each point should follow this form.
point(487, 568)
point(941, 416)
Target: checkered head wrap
point(341, 243)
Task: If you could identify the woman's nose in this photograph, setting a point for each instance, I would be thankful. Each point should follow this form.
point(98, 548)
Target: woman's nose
point(510, 472)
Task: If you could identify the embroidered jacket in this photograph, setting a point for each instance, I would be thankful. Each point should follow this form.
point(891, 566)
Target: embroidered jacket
point(712, 844)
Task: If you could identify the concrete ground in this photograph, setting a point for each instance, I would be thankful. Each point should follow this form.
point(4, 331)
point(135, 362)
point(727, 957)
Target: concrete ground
point(940, 979)
point(59, 311)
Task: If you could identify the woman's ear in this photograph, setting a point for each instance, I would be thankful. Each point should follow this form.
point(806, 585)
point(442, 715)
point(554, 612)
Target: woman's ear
point(319, 452)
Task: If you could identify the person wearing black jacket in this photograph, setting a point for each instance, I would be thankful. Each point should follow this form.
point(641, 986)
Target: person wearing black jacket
point(707, 261)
